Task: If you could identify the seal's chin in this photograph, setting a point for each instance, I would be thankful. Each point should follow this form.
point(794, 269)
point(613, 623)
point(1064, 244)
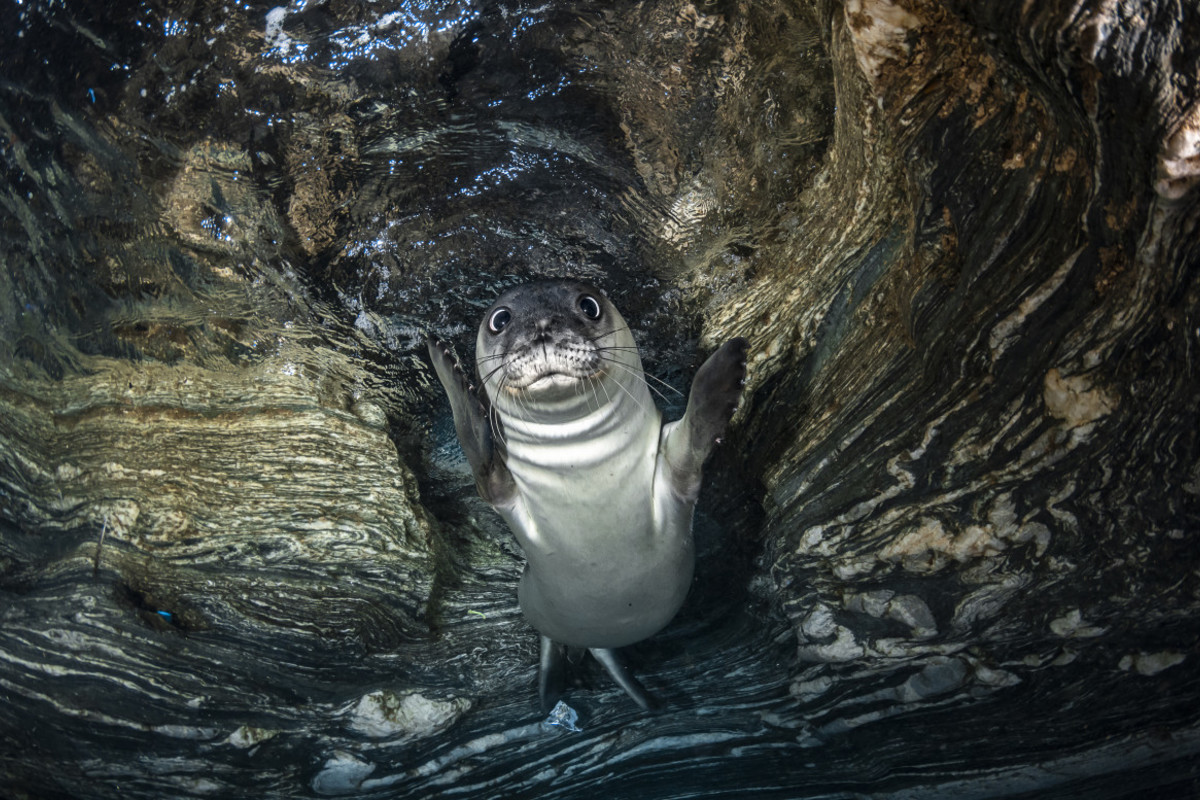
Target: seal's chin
point(553, 381)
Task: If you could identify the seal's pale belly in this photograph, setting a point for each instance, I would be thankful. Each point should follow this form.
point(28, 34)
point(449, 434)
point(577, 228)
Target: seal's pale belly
point(609, 544)
point(609, 614)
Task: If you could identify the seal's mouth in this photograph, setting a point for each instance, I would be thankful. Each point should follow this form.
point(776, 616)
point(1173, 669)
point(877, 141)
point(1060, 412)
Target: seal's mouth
point(539, 367)
point(547, 380)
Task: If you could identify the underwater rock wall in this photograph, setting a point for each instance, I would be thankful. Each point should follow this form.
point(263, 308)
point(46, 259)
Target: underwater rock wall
point(995, 377)
point(948, 550)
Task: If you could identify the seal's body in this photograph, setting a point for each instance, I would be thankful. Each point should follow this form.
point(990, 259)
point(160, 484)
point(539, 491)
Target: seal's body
point(567, 445)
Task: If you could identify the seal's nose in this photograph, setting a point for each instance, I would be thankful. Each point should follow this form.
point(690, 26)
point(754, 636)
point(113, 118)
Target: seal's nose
point(542, 328)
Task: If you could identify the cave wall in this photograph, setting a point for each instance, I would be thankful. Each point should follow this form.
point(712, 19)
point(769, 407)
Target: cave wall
point(996, 372)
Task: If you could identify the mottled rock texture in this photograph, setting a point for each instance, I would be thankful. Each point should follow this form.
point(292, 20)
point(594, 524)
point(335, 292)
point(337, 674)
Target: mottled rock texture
point(948, 550)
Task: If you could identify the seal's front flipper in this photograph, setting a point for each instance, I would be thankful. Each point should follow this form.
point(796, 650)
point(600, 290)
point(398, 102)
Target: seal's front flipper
point(716, 390)
point(492, 477)
point(620, 673)
point(550, 673)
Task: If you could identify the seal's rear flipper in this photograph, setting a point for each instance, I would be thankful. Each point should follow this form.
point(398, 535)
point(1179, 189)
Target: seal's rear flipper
point(550, 673)
point(612, 664)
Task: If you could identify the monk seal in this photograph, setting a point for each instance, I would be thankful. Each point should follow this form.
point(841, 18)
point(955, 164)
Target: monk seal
point(566, 443)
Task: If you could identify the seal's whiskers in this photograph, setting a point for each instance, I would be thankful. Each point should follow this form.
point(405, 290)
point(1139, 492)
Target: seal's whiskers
point(637, 400)
point(493, 413)
point(607, 333)
point(592, 384)
point(644, 375)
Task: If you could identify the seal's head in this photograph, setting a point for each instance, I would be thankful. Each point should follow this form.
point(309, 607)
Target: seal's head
point(554, 344)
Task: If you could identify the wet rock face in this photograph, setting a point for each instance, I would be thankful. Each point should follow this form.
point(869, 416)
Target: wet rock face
point(955, 523)
point(1009, 474)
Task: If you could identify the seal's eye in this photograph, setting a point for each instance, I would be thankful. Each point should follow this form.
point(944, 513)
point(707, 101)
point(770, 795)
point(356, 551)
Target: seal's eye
point(499, 320)
point(590, 306)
